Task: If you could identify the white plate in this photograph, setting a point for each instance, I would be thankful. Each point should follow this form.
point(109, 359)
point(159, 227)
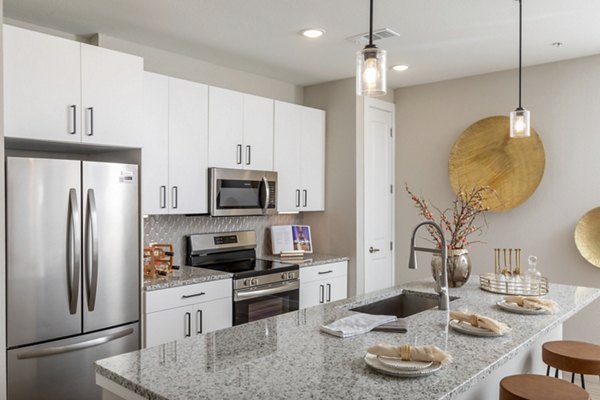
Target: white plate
point(515, 308)
point(467, 328)
point(374, 362)
point(404, 365)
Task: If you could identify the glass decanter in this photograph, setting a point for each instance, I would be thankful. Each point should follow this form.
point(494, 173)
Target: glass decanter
point(533, 275)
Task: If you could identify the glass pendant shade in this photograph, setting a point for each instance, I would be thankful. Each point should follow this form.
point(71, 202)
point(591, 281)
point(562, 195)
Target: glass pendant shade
point(519, 123)
point(371, 72)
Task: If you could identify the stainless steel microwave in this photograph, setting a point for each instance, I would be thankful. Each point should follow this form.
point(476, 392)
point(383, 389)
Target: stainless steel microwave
point(242, 192)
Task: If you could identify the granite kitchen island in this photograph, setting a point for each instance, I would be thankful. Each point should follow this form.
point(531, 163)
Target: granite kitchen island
point(287, 357)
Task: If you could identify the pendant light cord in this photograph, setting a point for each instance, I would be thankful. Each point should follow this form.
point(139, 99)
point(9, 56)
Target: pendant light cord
point(520, 45)
point(371, 25)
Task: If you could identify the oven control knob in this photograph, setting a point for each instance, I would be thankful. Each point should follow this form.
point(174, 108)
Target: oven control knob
point(247, 282)
point(284, 276)
point(291, 275)
point(254, 281)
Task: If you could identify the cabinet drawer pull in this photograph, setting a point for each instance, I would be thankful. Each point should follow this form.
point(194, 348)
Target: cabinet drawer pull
point(187, 325)
point(187, 296)
point(328, 292)
point(325, 272)
point(198, 322)
point(321, 294)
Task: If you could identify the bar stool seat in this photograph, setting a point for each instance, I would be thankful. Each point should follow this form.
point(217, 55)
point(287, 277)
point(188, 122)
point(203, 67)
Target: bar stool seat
point(539, 387)
point(572, 356)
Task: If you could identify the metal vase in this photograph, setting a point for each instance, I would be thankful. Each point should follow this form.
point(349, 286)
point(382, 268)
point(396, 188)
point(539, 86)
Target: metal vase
point(458, 266)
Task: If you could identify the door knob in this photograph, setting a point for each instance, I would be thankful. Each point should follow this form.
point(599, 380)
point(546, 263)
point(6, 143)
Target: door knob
point(373, 250)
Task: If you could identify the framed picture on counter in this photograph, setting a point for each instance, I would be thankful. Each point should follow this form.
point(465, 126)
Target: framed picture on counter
point(289, 238)
point(301, 238)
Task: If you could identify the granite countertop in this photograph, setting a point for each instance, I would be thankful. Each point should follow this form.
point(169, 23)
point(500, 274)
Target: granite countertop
point(185, 276)
point(309, 259)
point(287, 357)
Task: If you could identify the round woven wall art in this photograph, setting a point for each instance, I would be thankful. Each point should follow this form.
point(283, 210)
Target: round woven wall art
point(485, 155)
point(587, 236)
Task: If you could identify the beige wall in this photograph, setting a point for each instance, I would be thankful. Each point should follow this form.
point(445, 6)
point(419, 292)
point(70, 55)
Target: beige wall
point(564, 99)
point(181, 66)
point(334, 230)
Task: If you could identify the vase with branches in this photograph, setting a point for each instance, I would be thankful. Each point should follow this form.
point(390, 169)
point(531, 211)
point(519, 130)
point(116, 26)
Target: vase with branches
point(460, 221)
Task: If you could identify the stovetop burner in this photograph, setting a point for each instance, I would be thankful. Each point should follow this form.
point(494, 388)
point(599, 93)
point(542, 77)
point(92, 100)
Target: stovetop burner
point(252, 267)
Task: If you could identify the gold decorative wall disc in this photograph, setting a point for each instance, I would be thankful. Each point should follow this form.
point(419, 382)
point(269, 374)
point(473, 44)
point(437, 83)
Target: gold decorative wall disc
point(485, 155)
point(587, 236)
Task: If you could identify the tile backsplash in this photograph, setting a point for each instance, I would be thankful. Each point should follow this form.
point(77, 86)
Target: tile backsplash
point(173, 228)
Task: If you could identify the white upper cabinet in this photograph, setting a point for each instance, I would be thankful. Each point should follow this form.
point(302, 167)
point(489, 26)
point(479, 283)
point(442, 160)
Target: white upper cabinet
point(299, 157)
point(111, 97)
point(42, 97)
point(240, 130)
point(155, 144)
point(175, 146)
point(188, 147)
point(64, 91)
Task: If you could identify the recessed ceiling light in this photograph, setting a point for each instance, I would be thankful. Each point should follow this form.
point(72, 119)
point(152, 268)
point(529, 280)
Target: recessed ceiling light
point(313, 33)
point(400, 68)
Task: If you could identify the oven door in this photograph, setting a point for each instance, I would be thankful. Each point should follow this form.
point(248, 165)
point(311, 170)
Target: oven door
point(242, 192)
point(265, 301)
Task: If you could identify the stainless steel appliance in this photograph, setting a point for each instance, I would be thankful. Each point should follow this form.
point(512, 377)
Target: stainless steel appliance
point(73, 273)
point(242, 192)
point(261, 288)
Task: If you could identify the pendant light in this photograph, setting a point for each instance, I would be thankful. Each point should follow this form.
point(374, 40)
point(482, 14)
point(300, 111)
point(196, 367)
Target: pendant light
point(370, 67)
point(520, 126)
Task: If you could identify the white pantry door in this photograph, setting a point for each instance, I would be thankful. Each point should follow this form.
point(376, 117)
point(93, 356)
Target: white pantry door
point(378, 195)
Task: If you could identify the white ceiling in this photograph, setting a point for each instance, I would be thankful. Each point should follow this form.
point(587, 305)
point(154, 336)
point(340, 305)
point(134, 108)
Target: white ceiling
point(440, 39)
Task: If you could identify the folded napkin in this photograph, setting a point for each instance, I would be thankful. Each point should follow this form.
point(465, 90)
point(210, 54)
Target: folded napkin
point(533, 302)
point(414, 353)
point(356, 324)
point(481, 321)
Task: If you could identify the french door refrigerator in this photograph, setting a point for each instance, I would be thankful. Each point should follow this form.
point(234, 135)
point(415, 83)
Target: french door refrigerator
point(73, 273)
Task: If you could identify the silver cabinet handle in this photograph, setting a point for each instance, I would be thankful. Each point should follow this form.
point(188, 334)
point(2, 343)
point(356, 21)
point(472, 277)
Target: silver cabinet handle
point(373, 250)
point(297, 197)
point(328, 292)
point(91, 238)
point(198, 322)
point(74, 252)
point(325, 272)
point(187, 296)
point(305, 197)
point(162, 201)
point(248, 155)
point(187, 325)
point(90, 112)
point(238, 156)
point(73, 109)
point(51, 351)
point(174, 196)
point(321, 294)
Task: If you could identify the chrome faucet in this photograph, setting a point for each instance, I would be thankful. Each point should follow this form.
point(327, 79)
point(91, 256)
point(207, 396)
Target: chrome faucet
point(441, 288)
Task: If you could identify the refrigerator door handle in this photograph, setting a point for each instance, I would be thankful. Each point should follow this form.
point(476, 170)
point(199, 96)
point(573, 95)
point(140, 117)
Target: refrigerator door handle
point(51, 351)
point(74, 252)
point(91, 237)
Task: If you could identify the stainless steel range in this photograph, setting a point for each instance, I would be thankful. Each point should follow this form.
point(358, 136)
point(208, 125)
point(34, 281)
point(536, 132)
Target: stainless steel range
point(261, 288)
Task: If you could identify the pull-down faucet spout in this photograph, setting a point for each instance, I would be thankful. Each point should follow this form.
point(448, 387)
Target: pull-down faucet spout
point(441, 287)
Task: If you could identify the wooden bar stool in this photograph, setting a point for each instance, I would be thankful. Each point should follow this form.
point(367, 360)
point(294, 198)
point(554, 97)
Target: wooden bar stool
point(539, 387)
point(571, 356)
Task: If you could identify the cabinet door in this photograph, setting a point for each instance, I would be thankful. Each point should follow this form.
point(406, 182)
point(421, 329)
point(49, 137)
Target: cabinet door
point(311, 294)
point(225, 128)
point(42, 96)
point(258, 133)
point(111, 97)
point(336, 289)
point(155, 144)
point(313, 160)
point(188, 147)
point(286, 155)
point(212, 315)
point(169, 325)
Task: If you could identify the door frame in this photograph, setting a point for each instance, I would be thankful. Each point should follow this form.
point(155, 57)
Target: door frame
point(363, 104)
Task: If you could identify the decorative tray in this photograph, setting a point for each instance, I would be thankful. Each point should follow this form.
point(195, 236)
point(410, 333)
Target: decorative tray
point(515, 285)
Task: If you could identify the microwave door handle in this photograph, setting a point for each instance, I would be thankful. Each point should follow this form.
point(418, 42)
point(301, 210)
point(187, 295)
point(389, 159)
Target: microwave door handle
point(264, 188)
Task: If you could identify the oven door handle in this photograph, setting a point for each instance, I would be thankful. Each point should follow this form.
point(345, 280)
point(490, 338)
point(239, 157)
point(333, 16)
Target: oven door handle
point(247, 294)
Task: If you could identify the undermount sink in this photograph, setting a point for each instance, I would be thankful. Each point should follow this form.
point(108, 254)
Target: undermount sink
point(403, 305)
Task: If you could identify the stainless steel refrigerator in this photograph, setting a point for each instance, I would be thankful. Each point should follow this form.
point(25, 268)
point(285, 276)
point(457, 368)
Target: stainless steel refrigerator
point(73, 273)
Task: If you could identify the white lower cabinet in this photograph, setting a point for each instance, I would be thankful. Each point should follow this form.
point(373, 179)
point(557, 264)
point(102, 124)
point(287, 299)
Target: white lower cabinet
point(324, 283)
point(186, 311)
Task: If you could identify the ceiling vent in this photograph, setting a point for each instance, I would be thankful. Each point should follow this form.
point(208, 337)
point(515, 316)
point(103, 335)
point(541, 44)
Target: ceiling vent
point(378, 35)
